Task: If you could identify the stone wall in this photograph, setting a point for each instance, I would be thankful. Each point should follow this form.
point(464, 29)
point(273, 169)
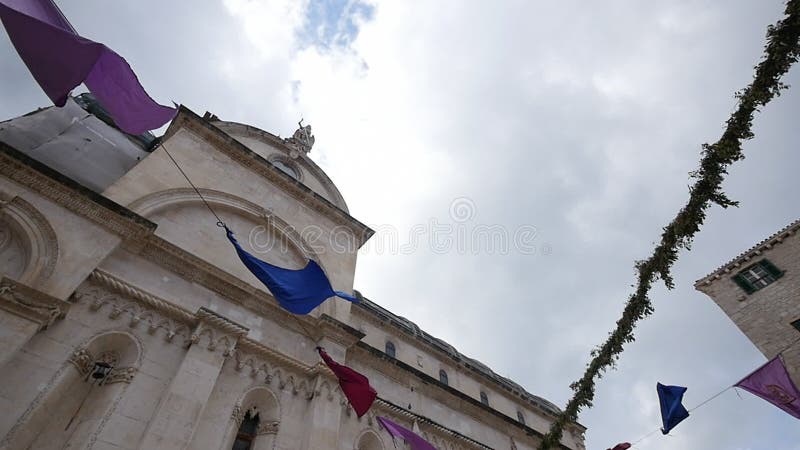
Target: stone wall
point(766, 315)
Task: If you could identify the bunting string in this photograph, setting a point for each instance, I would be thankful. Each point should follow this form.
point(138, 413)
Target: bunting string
point(782, 49)
point(220, 223)
point(703, 403)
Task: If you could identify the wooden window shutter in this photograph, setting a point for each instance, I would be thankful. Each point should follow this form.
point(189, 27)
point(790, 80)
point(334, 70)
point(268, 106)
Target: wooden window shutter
point(770, 268)
point(742, 282)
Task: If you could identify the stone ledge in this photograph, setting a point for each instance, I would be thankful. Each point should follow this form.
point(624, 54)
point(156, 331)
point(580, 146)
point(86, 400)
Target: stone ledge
point(30, 303)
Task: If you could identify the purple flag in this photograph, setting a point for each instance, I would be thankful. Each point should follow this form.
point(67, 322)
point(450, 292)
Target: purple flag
point(772, 383)
point(411, 438)
point(60, 59)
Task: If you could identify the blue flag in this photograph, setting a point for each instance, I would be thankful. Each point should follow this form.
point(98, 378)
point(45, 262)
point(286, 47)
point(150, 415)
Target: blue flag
point(672, 411)
point(297, 291)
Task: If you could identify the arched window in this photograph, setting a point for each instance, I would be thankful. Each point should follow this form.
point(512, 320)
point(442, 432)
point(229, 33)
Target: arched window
point(443, 376)
point(390, 349)
point(520, 417)
point(286, 168)
point(247, 433)
point(484, 398)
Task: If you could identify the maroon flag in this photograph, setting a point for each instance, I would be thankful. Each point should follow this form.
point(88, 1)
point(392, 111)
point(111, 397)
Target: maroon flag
point(772, 383)
point(354, 385)
point(622, 446)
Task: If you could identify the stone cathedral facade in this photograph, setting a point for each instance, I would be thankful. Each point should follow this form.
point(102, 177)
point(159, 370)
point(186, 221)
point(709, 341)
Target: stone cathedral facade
point(127, 321)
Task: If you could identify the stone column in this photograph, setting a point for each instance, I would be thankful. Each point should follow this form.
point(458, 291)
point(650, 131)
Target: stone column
point(324, 412)
point(24, 311)
point(176, 418)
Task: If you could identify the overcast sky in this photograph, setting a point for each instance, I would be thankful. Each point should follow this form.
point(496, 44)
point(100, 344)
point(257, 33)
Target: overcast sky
point(577, 119)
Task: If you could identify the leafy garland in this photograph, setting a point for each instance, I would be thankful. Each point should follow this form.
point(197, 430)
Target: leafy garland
point(781, 51)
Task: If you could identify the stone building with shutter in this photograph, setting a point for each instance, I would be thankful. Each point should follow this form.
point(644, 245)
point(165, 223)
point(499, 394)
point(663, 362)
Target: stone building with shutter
point(128, 322)
point(760, 291)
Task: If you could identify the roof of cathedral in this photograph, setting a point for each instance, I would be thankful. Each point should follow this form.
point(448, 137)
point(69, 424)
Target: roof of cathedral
point(735, 263)
point(412, 329)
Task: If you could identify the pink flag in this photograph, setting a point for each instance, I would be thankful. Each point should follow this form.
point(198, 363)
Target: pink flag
point(412, 439)
point(772, 383)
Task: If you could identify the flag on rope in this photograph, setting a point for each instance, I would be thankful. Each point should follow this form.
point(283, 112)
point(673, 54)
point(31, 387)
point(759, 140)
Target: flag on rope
point(60, 59)
point(772, 383)
point(297, 291)
point(354, 385)
point(672, 411)
point(411, 438)
point(622, 446)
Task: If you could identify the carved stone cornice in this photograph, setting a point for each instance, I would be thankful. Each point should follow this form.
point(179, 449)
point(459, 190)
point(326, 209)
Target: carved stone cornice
point(213, 319)
point(220, 332)
point(337, 331)
point(122, 287)
point(31, 304)
point(67, 193)
point(186, 119)
point(120, 298)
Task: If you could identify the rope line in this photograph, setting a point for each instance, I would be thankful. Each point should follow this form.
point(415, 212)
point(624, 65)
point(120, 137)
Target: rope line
point(220, 223)
point(305, 330)
point(650, 433)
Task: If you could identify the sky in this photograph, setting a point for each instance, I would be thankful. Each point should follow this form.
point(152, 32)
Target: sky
point(567, 127)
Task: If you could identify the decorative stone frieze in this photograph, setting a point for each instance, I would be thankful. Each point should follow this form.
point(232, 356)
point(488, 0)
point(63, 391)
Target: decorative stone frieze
point(140, 308)
point(31, 304)
point(16, 166)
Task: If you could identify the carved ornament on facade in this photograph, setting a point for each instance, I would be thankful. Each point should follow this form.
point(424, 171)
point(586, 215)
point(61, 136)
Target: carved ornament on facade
point(302, 140)
point(220, 332)
point(135, 307)
point(83, 361)
point(30, 303)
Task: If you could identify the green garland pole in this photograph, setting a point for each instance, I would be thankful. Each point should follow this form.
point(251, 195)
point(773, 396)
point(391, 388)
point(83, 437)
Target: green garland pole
point(781, 51)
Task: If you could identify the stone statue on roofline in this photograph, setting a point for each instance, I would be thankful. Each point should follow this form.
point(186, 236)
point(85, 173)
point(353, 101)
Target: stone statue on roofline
point(302, 139)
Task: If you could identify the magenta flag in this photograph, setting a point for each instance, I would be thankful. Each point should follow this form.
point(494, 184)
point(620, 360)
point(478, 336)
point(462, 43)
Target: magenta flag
point(772, 383)
point(354, 385)
point(59, 60)
point(411, 438)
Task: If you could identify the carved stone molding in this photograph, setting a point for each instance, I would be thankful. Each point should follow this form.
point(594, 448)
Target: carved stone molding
point(151, 203)
point(40, 236)
point(20, 168)
point(31, 304)
point(137, 307)
point(125, 288)
point(220, 332)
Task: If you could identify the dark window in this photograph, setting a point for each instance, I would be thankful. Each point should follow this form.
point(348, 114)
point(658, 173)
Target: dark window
point(247, 433)
point(390, 349)
point(286, 168)
point(443, 376)
point(484, 398)
point(796, 324)
point(757, 276)
point(520, 417)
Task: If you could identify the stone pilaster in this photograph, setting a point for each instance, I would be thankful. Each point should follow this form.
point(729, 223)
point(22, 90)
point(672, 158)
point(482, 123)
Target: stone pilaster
point(23, 312)
point(176, 418)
